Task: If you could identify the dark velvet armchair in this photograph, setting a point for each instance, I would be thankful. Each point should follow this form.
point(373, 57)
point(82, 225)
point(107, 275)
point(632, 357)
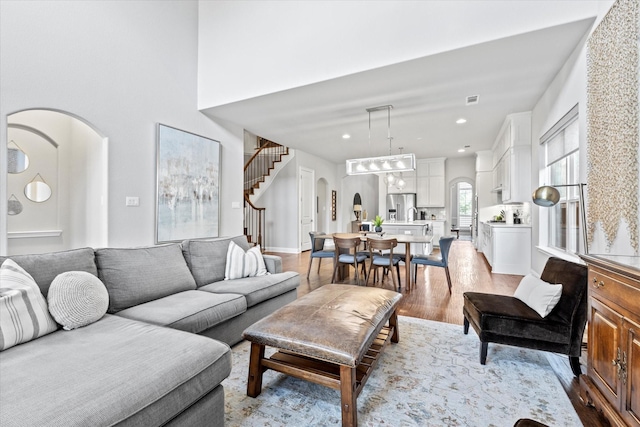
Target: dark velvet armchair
point(507, 320)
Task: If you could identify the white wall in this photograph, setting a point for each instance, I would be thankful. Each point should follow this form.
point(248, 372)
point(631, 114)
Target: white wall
point(321, 40)
point(568, 88)
point(123, 67)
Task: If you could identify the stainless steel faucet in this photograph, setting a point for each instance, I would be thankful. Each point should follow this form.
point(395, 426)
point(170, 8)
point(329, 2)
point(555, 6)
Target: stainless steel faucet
point(410, 217)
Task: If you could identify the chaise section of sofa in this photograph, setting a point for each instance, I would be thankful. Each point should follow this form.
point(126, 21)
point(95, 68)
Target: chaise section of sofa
point(112, 372)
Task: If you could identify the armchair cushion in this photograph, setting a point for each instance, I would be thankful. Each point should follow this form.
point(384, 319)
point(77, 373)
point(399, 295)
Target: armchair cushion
point(538, 294)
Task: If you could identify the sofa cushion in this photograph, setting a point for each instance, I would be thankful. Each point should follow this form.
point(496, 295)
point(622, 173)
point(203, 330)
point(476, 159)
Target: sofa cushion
point(241, 263)
point(137, 275)
point(24, 315)
point(256, 289)
point(76, 299)
point(191, 311)
point(112, 371)
point(207, 258)
point(45, 267)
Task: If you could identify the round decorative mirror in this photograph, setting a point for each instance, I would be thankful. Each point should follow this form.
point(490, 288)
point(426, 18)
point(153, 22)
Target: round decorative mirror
point(37, 190)
point(14, 207)
point(17, 160)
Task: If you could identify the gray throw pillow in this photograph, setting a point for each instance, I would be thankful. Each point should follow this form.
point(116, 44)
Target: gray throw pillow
point(76, 299)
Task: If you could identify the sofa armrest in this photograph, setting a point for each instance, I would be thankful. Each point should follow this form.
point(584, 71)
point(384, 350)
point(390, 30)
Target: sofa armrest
point(273, 263)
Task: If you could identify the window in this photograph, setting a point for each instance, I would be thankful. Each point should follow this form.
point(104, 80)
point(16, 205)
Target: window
point(561, 149)
point(465, 204)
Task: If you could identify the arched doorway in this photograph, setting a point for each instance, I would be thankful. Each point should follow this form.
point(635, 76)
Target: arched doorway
point(67, 157)
point(462, 206)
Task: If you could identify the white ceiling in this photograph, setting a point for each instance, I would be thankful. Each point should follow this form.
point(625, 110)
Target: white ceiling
point(428, 95)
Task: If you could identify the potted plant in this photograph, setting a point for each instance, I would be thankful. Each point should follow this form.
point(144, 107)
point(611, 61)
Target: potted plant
point(377, 223)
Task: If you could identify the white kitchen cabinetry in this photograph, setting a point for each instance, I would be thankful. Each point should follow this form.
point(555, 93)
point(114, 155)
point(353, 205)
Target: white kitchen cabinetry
point(512, 159)
point(507, 248)
point(430, 183)
point(437, 228)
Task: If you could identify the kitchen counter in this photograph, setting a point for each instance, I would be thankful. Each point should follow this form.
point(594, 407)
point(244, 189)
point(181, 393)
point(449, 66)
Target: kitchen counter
point(418, 222)
point(504, 224)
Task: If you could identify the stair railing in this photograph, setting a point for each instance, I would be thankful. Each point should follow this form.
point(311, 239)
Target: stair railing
point(261, 163)
point(254, 222)
point(255, 170)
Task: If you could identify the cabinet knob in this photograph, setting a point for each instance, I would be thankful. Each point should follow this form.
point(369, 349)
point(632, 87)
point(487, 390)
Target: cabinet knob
point(597, 284)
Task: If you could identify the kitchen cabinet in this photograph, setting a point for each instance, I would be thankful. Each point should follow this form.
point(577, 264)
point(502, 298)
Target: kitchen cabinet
point(507, 248)
point(438, 230)
point(512, 159)
point(430, 185)
point(612, 380)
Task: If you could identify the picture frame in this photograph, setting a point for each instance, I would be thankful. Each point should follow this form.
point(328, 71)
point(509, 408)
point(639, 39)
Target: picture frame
point(187, 185)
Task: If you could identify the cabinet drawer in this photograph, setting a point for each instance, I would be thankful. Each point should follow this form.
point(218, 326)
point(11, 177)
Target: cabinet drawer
point(610, 286)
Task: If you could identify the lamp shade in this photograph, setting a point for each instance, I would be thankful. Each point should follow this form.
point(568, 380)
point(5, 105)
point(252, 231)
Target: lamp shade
point(546, 196)
point(357, 208)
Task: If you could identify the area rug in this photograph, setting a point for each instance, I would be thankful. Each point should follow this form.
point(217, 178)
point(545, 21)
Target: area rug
point(432, 377)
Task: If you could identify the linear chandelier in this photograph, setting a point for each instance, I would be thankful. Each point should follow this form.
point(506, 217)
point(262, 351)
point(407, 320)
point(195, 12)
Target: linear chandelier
point(382, 164)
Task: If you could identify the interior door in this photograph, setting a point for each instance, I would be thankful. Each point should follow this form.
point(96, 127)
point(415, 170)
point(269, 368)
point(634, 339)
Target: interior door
point(307, 198)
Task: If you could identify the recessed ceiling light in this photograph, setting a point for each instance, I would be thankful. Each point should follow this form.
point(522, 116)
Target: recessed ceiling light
point(461, 150)
point(346, 136)
point(461, 121)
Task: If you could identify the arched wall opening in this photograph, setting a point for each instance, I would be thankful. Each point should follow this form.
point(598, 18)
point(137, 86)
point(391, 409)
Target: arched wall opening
point(462, 205)
point(71, 157)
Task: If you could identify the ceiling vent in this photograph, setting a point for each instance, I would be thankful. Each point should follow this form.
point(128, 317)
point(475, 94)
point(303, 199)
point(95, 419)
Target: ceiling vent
point(473, 99)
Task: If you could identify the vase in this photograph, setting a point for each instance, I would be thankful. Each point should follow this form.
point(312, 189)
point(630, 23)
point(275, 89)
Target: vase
point(378, 229)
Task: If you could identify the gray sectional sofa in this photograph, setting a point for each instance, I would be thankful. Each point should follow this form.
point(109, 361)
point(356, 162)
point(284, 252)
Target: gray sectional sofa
point(159, 355)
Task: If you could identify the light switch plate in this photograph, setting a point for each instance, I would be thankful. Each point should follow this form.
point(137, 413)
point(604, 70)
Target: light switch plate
point(235, 205)
point(132, 201)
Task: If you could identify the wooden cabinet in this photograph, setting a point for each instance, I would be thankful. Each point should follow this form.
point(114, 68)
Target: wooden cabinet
point(612, 381)
point(430, 185)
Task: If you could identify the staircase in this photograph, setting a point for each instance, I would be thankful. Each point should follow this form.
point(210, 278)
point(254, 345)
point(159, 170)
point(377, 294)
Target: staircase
point(259, 172)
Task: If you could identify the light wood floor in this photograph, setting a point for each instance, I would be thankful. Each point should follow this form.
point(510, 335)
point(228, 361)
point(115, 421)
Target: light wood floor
point(430, 299)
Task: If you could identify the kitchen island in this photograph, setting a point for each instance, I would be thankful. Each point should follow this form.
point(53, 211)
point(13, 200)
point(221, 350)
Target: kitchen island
point(507, 247)
point(415, 228)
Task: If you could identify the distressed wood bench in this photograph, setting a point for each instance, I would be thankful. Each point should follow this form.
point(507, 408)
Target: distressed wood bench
point(332, 336)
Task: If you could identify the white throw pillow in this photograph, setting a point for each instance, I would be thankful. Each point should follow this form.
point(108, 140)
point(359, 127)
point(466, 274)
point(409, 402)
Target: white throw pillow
point(77, 298)
point(538, 294)
point(23, 310)
point(244, 264)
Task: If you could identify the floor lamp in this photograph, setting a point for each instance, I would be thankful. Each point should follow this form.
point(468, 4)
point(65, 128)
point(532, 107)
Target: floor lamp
point(548, 196)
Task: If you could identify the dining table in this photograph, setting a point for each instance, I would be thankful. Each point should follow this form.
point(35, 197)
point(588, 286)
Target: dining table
point(407, 239)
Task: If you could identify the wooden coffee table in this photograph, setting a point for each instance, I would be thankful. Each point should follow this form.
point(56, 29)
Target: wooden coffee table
point(332, 336)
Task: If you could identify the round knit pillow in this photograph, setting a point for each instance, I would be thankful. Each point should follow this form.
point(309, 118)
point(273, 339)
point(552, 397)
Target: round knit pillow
point(76, 299)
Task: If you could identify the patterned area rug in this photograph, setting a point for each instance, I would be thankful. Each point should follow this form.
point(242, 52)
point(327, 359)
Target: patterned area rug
point(432, 377)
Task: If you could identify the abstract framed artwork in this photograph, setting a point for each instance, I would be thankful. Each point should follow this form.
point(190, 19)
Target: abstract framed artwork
point(187, 185)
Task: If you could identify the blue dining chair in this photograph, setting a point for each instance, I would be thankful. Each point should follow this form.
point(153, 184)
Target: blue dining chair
point(441, 261)
point(317, 250)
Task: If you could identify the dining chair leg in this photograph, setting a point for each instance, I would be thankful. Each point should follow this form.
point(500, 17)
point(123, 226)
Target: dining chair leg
point(335, 271)
point(398, 273)
point(393, 278)
point(319, 262)
point(309, 269)
point(446, 269)
point(366, 280)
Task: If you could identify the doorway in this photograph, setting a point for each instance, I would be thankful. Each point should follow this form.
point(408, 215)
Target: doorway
point(322, 209)
point(67, 157)
point(307, 198)
point(462, 207)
